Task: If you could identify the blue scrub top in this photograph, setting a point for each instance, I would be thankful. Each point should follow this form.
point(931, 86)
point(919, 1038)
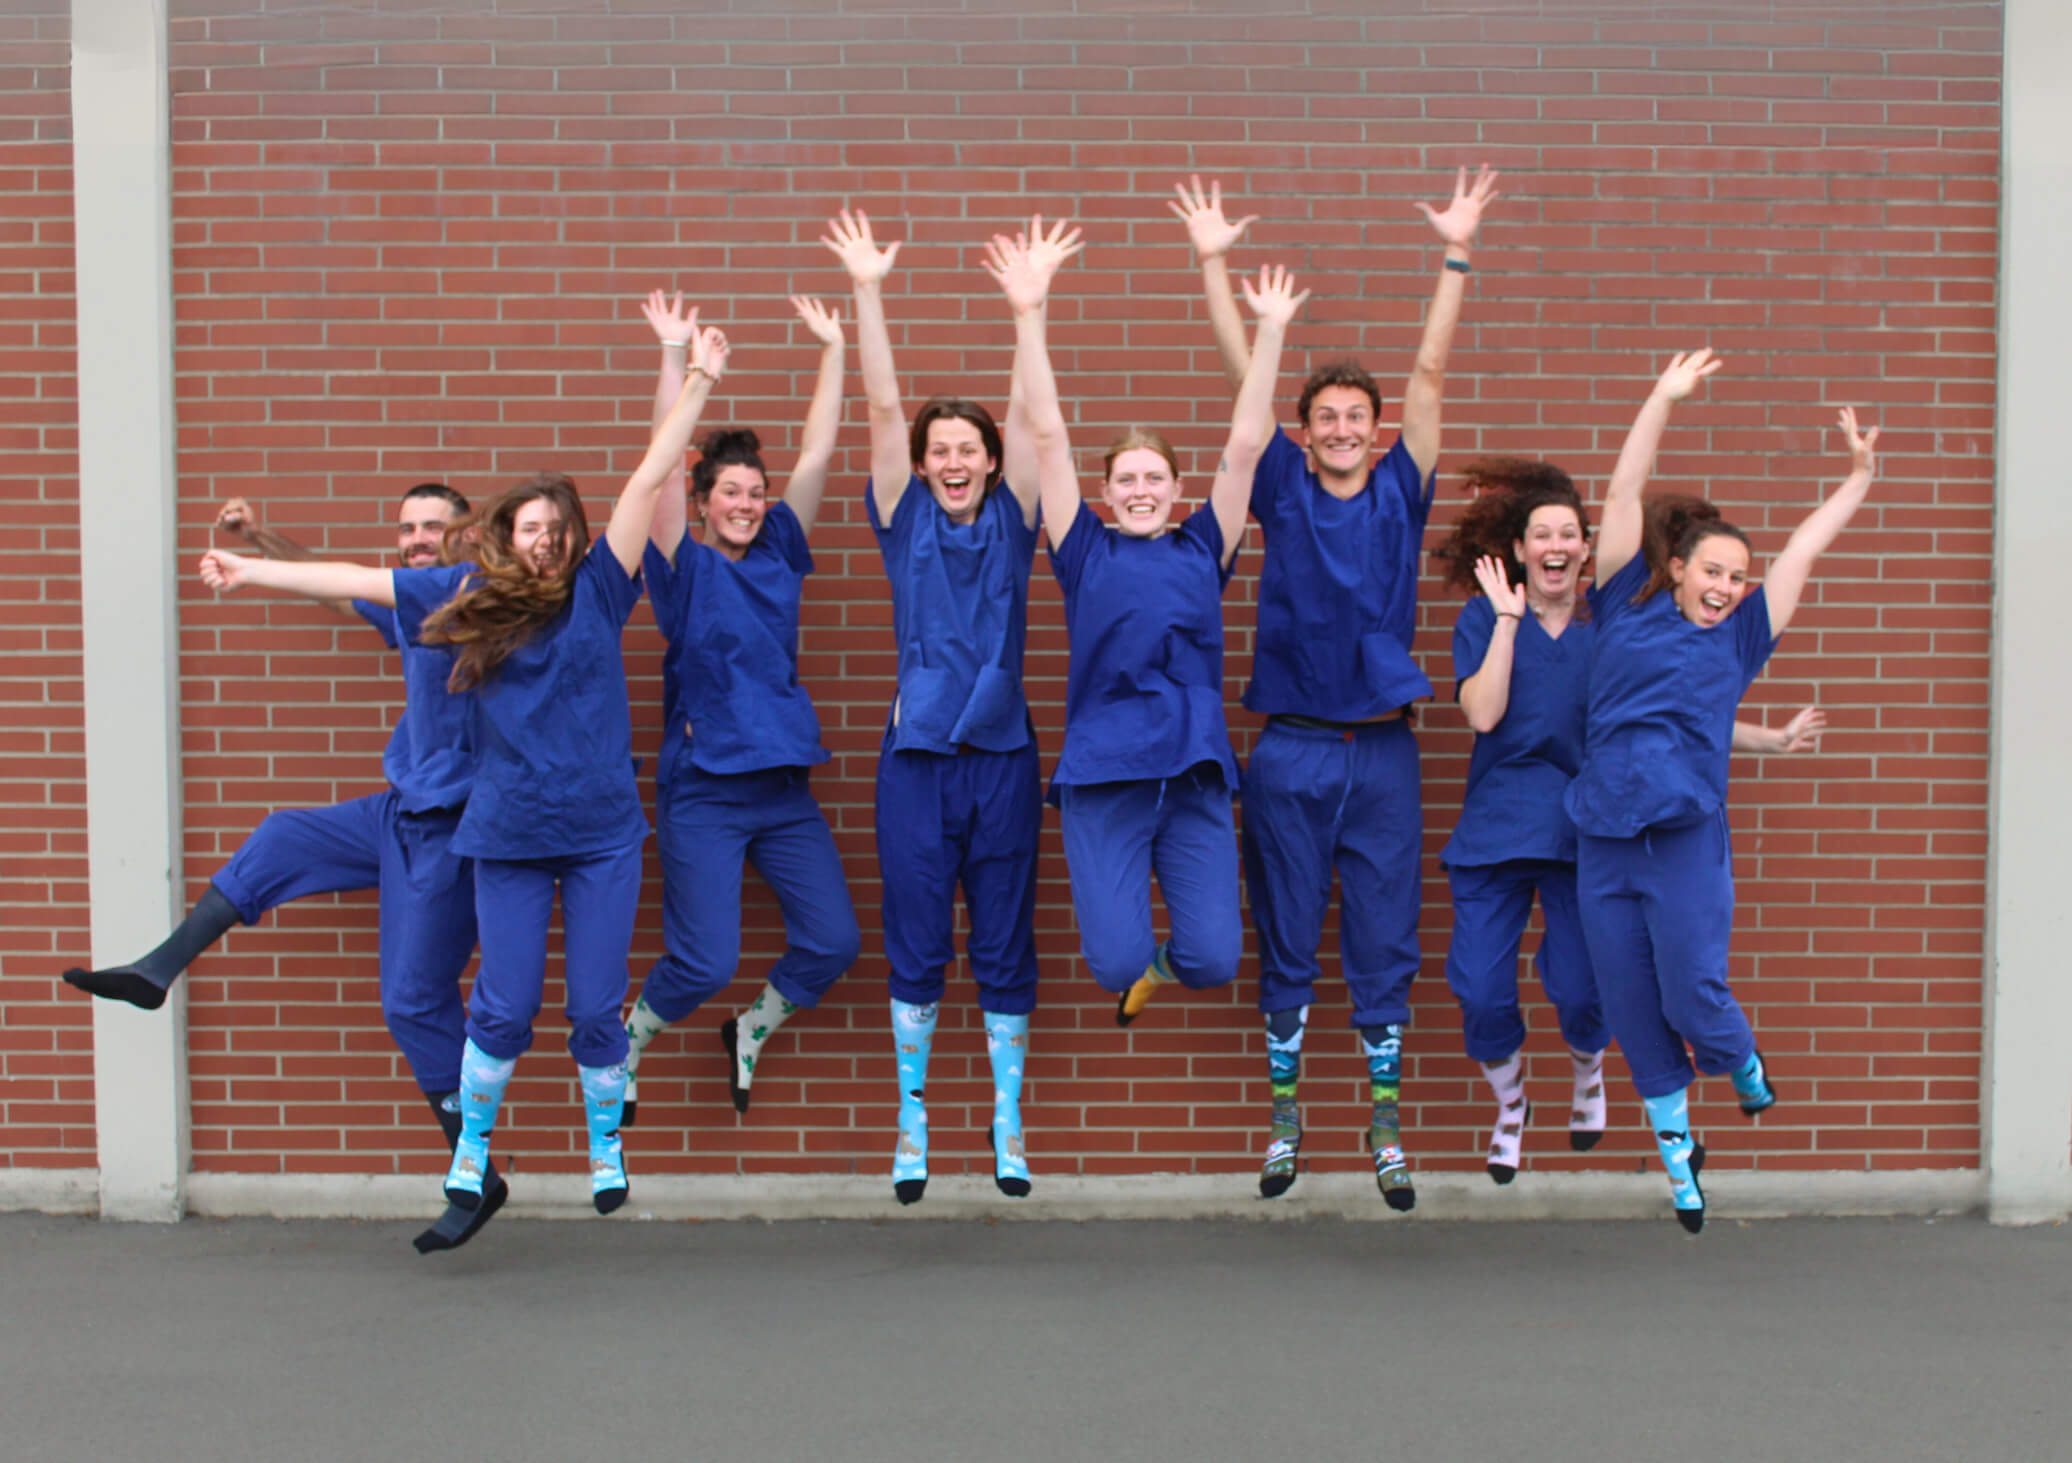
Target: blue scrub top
point(430, 760)
point(1663, 694)
point(731, 696)
point(1519, 771)
point(1144, 695)
point(960, 612)
point(1338, 588)
point(553, 736)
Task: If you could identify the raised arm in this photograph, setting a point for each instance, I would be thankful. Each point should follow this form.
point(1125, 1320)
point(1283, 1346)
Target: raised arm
point(849, 237)
point(312, 579)
point(677, 329)
point(1213, 237)
point(1486, 695)
point(1786, 578)
point(1800, 734)
point(1275, 302)
point(1618, 529)
point(1421, 397)
point(240, 517)
point(1024, 268)
point(633, 515)
point(1019, 465)
point(808, 480)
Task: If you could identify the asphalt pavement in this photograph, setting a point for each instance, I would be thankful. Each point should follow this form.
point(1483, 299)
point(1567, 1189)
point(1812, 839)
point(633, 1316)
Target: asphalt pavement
point(1834, 1340)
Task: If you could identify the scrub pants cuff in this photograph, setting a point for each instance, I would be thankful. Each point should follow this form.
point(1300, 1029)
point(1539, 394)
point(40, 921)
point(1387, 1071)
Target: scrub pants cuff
point(1395, 1015)
point(438, 1084)
point(793, 992)
point(672, 1008)
point(1728, 1068)
point(248, 910)
point(605, 1048)
point(498, 1047)
point(918, 992)
point(1289, 998)
point(1666, 1085)
point(1490, 1052)
point(1010, 1004)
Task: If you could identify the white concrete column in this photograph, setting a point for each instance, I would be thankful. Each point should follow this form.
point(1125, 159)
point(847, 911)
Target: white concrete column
point(122, 209)
point(2029, 935)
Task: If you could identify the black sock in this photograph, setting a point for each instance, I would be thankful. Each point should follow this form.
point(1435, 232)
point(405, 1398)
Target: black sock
point(144, 982)
point(457, 1225)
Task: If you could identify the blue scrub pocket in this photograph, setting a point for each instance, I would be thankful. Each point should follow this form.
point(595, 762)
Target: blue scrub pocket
point(928, 703)
point(991, 718)
point(425, 840)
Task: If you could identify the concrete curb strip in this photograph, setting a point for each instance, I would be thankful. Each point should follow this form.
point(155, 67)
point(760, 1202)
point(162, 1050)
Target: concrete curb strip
point(1447, 1196)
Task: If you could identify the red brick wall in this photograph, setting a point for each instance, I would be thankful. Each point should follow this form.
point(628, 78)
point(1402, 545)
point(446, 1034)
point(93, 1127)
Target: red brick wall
point(410, 244)
point(46, 1037)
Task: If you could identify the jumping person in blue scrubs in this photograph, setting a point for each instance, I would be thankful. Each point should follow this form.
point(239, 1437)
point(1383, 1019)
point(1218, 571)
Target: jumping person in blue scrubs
point(1146, 777)
point(534, 623)
point(398, 842)
point(739, 731)
point(1332, 783)
point(1680, 635)
point(959, 797)
point(1521, 659)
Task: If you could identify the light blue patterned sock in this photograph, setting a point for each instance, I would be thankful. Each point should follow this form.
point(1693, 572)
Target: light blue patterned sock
point(1752, 1085)
point(482, 1082)
point(1671, 1118)
point(1007, 1044)
point(913, 1032)
point(604, 1101)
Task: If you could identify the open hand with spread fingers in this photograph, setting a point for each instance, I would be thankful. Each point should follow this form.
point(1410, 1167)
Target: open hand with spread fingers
point(1274, 298)
point(848, 237)
point(824, 324)
point(1457, 223)
point(667, 317)
point(1207, 229)
point(1505, 597)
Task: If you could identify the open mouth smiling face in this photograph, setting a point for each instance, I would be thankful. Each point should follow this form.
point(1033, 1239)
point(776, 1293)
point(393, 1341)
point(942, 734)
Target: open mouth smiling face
point(956, 467)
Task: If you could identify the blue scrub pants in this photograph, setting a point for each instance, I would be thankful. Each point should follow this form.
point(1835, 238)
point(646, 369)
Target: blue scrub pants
point(708, 825)
point(1491, 904)
point(971, 819)
point(1315, 799)
point(1117, 835)
point(1657, 910)
point(427, 908)
point(514, 899)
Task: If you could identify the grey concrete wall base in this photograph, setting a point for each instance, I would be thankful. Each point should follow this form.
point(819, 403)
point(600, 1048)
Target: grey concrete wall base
point(50, 1190)
point(1746, 1195)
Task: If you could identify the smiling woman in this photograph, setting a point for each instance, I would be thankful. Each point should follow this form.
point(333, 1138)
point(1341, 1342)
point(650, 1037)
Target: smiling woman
point(740, 733)
point(1654, 868)
point(1146, 777)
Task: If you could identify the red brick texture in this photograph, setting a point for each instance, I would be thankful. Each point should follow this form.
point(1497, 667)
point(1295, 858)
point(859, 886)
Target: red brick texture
point(46, 1038)
point(408, 243)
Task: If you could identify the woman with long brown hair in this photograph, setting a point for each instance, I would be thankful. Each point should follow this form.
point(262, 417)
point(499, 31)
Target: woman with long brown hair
point(1680, 635)
point(534, 618)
